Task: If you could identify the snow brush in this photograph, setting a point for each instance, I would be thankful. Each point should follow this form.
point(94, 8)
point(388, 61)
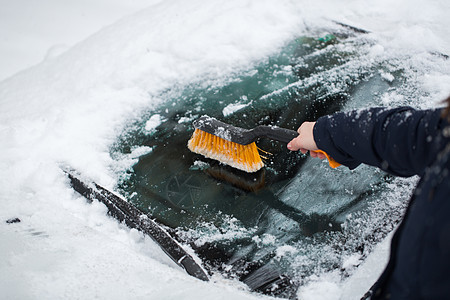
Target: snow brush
point(235, 146)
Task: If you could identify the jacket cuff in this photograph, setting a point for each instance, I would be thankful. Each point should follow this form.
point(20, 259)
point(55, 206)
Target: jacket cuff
point(323, 138)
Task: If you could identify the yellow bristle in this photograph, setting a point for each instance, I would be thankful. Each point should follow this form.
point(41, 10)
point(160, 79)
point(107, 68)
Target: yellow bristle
point(242, 157)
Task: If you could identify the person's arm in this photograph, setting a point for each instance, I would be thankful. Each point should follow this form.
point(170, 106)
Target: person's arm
point(401, 141)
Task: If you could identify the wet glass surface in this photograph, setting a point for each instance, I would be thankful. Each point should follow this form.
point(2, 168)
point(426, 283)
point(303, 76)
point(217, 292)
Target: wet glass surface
point(296, 216)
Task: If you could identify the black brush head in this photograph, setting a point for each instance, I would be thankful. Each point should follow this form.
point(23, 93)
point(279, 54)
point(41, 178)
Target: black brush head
point(225, 131)
point(243, 136)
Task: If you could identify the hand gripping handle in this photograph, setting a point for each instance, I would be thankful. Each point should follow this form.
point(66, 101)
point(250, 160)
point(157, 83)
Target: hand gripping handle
point(286, 135)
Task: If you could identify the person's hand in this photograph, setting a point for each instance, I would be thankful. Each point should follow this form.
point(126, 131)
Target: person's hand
point(305, 141)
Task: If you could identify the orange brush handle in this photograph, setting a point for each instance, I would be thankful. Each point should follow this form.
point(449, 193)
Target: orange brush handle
point(331, 161)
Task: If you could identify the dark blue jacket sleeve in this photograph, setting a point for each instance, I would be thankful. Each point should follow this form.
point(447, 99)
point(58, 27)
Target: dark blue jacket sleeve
point(401, 141)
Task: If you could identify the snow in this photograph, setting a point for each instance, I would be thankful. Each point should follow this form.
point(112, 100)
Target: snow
point(34, 31)
point(371, 268)
point(329, 286)
point(321, 290)
point(234, 107)
point(387, 76)
point(153, 122)
point(69, 108)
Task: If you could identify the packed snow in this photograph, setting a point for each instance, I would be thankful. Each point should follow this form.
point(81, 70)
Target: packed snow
point(153, 123)
point(234, 107)
point(68, 110)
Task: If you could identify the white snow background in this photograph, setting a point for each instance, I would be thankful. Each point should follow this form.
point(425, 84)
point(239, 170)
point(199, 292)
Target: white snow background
point(69, 108)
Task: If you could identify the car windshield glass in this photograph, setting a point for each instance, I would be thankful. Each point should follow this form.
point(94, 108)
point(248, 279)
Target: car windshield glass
point(296, 216)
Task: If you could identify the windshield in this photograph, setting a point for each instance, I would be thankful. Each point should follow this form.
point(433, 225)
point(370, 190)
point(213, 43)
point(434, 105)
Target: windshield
point(295, 217)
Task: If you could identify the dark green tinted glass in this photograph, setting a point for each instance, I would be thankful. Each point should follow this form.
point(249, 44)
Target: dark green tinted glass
point(286, 218)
